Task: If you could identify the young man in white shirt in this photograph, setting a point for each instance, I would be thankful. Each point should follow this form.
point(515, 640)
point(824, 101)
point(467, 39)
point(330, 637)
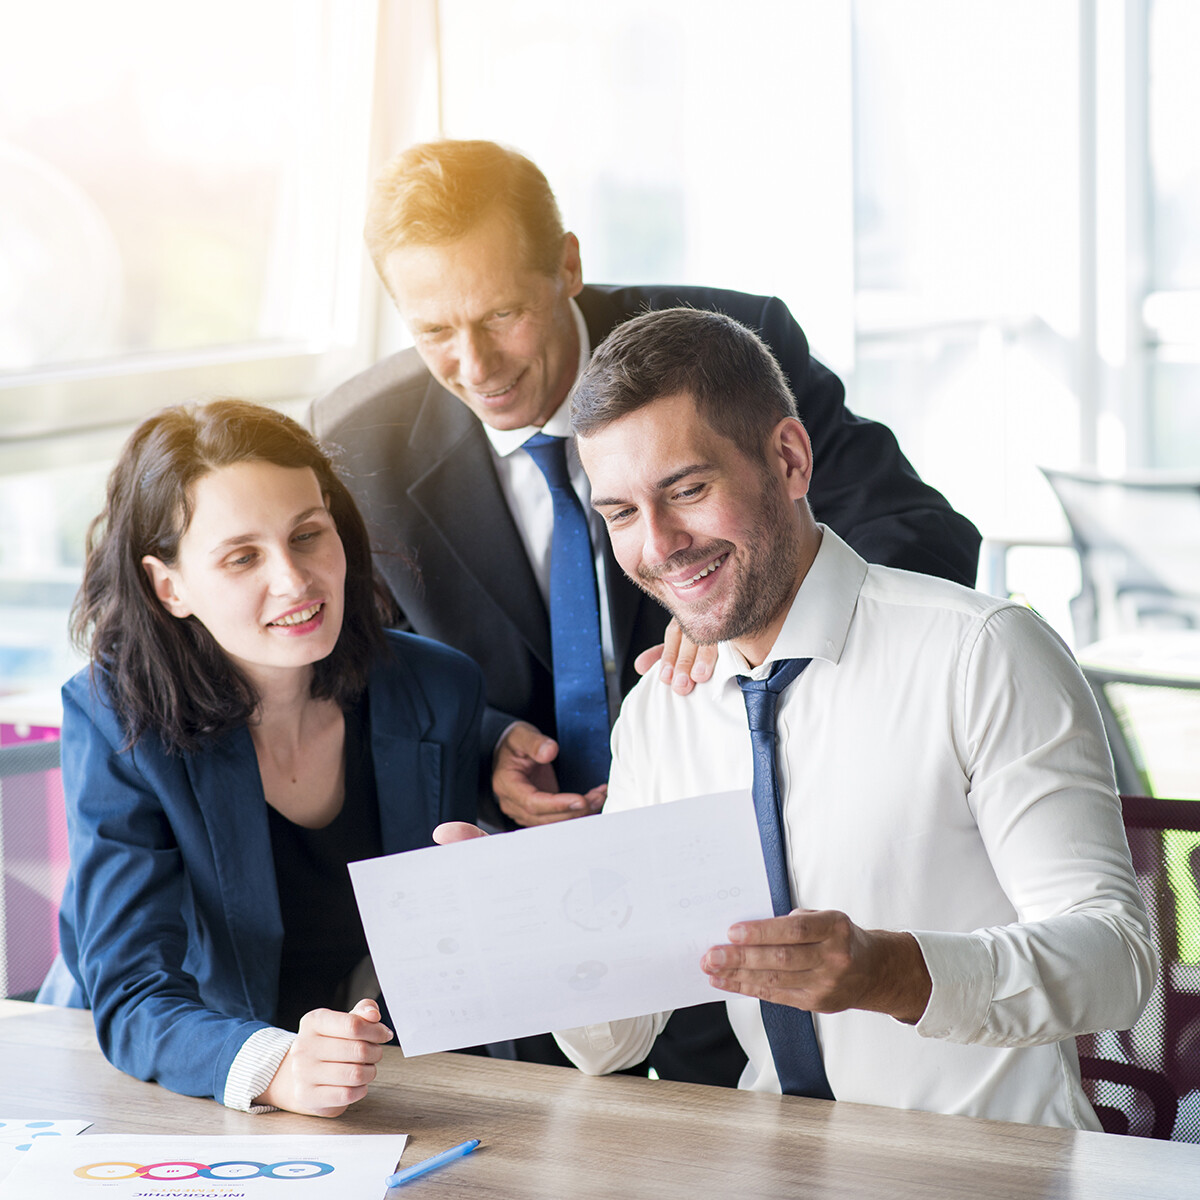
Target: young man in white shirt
point(962, 899)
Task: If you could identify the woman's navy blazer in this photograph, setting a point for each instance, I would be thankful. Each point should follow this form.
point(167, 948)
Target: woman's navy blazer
point(170, 929)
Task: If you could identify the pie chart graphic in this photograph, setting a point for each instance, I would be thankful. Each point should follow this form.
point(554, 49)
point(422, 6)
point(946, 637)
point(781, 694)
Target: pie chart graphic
point(599, 900)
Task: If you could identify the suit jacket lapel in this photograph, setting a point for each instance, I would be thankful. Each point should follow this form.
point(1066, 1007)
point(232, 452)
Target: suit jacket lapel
point(603, 314)
point(624, 600)
point(461, 485)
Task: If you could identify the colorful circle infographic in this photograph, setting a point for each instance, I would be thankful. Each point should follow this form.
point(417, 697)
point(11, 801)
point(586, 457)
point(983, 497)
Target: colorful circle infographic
point(233, 1169)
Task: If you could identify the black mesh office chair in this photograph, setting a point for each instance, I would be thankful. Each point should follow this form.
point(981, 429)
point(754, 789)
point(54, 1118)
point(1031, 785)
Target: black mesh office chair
point(1146, 1080)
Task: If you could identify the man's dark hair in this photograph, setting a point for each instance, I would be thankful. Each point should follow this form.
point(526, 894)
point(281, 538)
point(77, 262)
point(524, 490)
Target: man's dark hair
point(168, 675)
point(726, 368)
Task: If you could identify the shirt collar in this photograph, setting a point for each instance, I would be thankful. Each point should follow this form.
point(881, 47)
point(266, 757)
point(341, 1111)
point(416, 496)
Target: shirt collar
point(505, 441)
point(818, 621)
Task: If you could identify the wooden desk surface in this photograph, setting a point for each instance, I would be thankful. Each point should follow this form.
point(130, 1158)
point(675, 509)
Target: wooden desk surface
point(555, 1133)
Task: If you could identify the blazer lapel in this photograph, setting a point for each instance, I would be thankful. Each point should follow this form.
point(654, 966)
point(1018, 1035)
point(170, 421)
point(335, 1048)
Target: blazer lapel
point(410, 774)
point(229, 791)
point(461, 485)
point(408, 770)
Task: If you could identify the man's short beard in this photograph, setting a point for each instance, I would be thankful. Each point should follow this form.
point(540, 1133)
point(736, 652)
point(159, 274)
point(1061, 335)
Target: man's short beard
point(765, 574)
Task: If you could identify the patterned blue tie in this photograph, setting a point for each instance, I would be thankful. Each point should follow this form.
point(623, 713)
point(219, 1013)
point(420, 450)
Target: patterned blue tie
point(580, 692)
point(789, 1030)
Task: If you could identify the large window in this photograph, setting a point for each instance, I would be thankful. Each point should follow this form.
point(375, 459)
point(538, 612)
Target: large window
point(955, 199)
point(969, 252)
point(181, 200)
point(181, 192)
point(1171, 312)
point(686, 143)
point(982, 214)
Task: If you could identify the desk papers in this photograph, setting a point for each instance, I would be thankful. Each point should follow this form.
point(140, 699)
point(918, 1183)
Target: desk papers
point(17, 1135)
point(559, 925)
point(332, 1166)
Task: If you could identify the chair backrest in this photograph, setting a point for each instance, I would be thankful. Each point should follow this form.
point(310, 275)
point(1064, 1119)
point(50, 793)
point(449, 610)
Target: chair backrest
point(1138, 540)
point(1146, 1080)
point(33, 863)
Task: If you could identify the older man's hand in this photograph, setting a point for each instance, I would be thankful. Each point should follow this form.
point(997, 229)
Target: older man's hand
point(525, 784)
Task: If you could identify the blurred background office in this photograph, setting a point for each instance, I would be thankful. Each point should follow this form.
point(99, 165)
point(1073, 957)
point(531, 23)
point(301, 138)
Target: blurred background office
point(984, 213)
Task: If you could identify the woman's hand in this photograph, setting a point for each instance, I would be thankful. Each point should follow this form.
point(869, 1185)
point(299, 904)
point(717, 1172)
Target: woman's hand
point(331, 1062)
point(681, 663)
point(456, 831)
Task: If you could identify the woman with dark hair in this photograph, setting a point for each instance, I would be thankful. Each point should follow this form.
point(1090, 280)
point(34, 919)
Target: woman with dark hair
point(245, 729)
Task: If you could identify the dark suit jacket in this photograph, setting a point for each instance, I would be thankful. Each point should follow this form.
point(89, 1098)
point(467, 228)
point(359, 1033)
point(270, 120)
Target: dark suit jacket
point(419, 464)
point(170, 925)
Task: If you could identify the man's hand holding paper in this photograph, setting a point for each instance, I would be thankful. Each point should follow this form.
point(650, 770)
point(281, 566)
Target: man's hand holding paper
point(823, 962)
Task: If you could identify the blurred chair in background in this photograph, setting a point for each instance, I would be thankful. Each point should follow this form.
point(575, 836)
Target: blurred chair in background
point(33, 863)
point(1138, 541)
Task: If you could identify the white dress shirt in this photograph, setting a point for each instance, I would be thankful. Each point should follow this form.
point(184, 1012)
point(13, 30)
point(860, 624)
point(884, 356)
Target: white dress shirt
point(528, 496)
point(944, 771)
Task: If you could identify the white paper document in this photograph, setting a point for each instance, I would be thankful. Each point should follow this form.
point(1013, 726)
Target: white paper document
point(17, 1135)
point(559, 925)
point(174, 1165)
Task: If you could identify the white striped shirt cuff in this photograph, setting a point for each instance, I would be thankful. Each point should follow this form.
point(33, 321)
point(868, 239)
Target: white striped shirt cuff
point(254, 1068)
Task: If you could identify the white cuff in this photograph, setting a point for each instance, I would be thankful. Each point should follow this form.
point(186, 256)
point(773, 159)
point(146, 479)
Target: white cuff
point(611, 1045)
point(254, 1068)
point(963, 983)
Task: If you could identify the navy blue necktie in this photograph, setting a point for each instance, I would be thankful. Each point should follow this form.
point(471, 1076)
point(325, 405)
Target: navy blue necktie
point(580, 692)
point(789, 1030)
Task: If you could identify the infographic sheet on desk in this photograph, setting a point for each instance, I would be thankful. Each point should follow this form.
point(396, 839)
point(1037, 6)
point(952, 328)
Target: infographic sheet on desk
point(560, 925)
point(170, 1166)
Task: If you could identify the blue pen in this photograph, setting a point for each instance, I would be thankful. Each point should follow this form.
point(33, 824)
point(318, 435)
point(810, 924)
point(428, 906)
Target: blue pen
point(428, 1165)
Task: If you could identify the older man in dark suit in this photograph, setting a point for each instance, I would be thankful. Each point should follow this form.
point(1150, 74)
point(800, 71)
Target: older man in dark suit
point(448, 450)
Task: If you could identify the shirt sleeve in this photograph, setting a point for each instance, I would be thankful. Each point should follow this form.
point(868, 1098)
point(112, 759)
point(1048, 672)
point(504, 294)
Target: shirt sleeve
point(1079, 957)
point(254, 1067)
point(611, 1045)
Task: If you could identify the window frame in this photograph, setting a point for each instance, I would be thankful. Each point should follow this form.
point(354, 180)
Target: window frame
point(49, 416)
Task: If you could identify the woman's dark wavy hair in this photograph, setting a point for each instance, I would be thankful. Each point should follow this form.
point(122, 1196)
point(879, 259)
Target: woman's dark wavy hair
point(168, 675)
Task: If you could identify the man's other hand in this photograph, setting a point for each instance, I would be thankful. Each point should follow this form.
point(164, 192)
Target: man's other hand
point(822, 961)
point(681, 663)
point(525, 784)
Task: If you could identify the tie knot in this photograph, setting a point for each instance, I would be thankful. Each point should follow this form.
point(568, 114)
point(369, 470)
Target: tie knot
point(550, 455)
point(762, 695)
